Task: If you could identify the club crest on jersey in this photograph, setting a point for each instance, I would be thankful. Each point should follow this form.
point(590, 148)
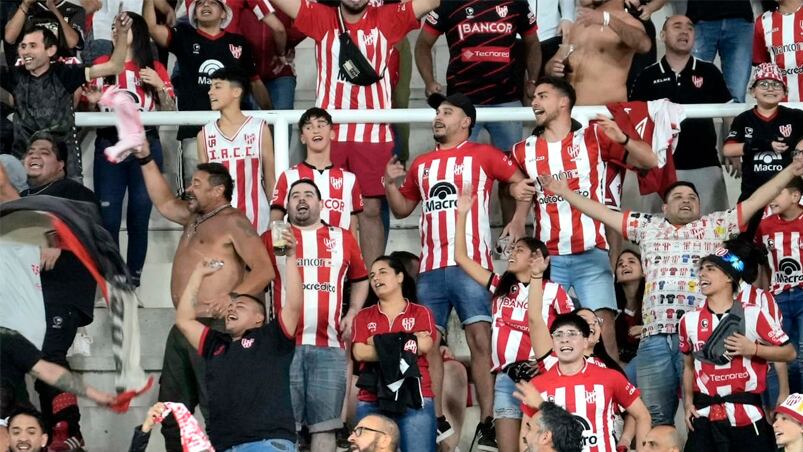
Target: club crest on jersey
point(236, 51)
point(411, 346)
point(574, 151)
point(591, 397)
point(408, 323)
point(196, 48)
point(247, 343)
point(372, 327)
point(250, 138)
point(336, 182)
point(704, 325)
point(697, 80)
point(501, 10)
point(786, 130)
point(458, 169)
point(469, 13)
point(442, 196)
point(330, 244)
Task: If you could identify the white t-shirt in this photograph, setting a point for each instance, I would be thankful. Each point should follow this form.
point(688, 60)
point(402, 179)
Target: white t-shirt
point(22, 306)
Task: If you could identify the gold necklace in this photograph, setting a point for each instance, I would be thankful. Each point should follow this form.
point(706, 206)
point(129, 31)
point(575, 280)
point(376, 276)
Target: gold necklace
point(200, 219)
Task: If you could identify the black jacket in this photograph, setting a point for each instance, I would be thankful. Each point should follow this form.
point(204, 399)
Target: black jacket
point(396, 378)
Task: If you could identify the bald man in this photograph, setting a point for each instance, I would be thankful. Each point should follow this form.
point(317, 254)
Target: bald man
point(662, 438)
point(374, 433)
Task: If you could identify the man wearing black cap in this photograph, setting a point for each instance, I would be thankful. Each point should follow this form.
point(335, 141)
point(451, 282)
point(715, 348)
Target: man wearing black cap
point(436, 179)
point(672, 245)
point(725, 349)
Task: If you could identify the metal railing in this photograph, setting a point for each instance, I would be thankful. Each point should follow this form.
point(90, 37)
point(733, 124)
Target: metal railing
point(281, 119)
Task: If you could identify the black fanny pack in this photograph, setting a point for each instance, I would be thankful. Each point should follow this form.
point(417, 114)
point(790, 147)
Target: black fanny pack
point(354, 67)
point(714, 349)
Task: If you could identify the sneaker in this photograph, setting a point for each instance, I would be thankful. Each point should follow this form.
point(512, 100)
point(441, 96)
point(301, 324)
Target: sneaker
point(445, 429)
point(485, 436)
point(342, 438)
point(62, 442)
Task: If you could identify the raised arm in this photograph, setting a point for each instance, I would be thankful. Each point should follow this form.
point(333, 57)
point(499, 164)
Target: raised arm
point(423, 61)
point(159, 33)
point(159, 191)
point(186, 322)
point(630, 31)
point(58, 376)
point(17, 23)
point(252, 251)
point(464, 204)
point(593, 209)
point(71, 36)
point(399, 204)
point(294, 290)
point(767, 192)
point(639, 153)
point(540, 339)
point(422, 7)
point(115, 63)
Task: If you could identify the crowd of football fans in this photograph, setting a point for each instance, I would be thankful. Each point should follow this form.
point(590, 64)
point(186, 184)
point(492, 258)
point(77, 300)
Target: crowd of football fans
point(596, 321)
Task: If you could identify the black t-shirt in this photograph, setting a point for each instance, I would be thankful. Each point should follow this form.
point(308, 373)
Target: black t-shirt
point(199, 55)
point(700, 82)
point(248, 382)
point(719, 9)
point(17, 357)
point(481, 35)
point(760, 162)
point(44, 102)
point(69, 283)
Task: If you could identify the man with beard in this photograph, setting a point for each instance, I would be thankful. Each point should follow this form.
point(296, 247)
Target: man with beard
point(562, 149)
point(212, 229)
point(436, 179)
point(374, 433)
point(604, 38)
point(360, 148)
point(326, 256)
point(27, 432)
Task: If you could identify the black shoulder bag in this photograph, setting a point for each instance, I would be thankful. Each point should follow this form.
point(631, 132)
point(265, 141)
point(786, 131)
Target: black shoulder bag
point(354, 67)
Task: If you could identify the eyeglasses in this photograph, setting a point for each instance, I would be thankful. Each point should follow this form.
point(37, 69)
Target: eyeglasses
point(767, 84)
point(359, 429)
point(571, 334)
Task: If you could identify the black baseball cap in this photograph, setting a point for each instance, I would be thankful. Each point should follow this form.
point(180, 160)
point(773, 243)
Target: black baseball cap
point(459, 100)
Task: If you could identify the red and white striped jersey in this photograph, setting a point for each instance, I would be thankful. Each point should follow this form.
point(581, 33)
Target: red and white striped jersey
point(742, 374)
point(242, 155)
point(593, 396)
point(379, 29)
point(783, 241)
point(778, 38)
point(339, 189)
point(325, 257)
point(510, 330)
point(130, 81)
point(580, 157)
point(437, 178)
point(750, 295)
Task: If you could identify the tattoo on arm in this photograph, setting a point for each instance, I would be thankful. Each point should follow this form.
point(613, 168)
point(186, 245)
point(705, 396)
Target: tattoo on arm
point(69, 382)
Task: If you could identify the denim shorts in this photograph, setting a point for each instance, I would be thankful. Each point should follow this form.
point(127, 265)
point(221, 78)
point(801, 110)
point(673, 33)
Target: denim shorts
point(448, 287)
point(589, 273)
point(505, 405)
point(317, 387)
point(416, 427)
point(265, 445)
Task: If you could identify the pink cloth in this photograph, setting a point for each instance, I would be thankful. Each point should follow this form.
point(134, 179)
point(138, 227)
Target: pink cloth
point(193, 438)
point(130, 131)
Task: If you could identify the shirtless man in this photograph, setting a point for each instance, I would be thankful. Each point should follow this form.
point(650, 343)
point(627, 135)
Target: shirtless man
point(605, 38)
point(212, 229)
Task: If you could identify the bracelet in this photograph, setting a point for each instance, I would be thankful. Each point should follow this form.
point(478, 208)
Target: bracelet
point(24, 11)
point(606, 18)
point(627, 140)
point(145, 160)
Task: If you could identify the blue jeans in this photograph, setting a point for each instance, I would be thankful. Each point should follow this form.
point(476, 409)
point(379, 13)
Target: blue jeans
point(112, 181)
point(660, 369)
point(282, 92)
point(417, 427)
point(503, 134)
point(447, 287)
point(265, 445)
point(318, 387)
point(791, 304)
point(733, 40)
point(590, 274)
point(505, 405)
